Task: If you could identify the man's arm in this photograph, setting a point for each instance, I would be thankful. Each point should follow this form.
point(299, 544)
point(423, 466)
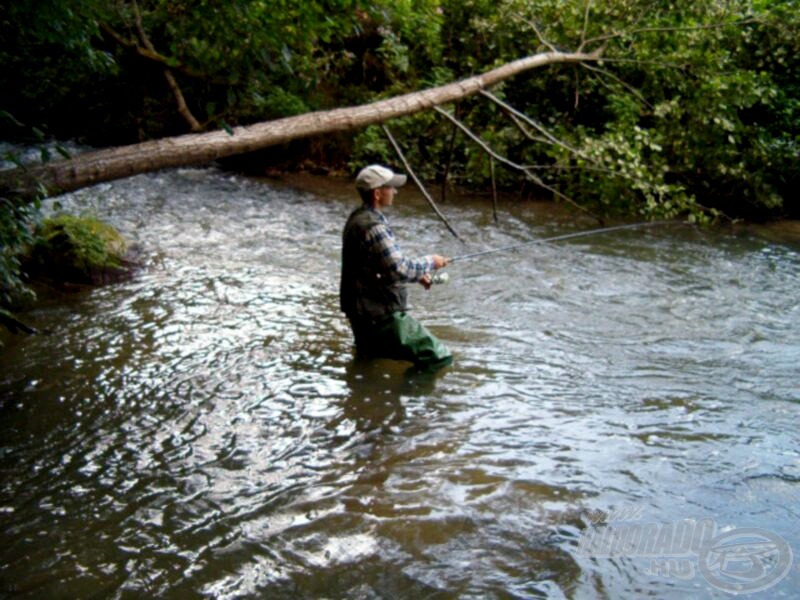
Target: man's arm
point(392, 260)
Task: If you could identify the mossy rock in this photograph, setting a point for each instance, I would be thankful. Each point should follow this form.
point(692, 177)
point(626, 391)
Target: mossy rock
point(78, 250)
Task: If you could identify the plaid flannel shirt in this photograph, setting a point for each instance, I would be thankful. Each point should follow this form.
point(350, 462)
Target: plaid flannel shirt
point(380, 240)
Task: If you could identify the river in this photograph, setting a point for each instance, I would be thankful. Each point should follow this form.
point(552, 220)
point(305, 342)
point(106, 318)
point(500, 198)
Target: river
point(203, 430)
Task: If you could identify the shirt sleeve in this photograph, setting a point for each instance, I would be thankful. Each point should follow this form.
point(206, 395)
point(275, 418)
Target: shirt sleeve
point(380, 240)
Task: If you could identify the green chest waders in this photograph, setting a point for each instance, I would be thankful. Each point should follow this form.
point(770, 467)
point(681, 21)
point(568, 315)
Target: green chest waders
point(400, 336)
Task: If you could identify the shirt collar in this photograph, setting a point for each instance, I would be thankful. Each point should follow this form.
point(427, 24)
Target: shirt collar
point(376, 211)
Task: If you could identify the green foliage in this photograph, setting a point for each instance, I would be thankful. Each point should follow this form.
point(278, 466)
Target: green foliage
point(50, 55)
point(15, 235)
point(278, 103)
point(694, 111)
point(236, 62)
point(371, 146)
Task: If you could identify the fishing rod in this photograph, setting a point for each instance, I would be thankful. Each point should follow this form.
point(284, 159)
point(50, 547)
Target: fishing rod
point(442, 277)
point(566, 236)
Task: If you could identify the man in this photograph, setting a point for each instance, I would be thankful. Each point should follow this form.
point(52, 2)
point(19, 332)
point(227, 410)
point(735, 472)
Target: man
point(372, 293)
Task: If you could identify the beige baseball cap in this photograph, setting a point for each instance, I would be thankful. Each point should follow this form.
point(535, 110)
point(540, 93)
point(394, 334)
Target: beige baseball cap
point(375, 176)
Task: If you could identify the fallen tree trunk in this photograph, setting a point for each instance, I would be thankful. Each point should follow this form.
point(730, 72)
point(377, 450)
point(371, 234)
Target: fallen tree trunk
point(115, 163)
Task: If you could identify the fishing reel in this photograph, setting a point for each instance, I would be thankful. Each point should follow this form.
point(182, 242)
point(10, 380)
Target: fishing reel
point(438, 278)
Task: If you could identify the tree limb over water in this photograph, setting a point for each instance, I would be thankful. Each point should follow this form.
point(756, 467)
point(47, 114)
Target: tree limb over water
point(25, 183)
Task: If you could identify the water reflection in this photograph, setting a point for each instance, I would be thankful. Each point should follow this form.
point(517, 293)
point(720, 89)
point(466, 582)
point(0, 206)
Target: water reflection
point(379, 388)
point(375, 395)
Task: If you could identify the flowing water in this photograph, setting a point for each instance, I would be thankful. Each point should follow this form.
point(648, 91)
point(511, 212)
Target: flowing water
point(204, 431)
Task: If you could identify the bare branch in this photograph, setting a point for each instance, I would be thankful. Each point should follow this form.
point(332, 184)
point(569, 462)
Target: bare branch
point(541, 129)
point(559, 167)
point(535, 28)
point(450, 152)
point(525, 131)
point(155, 57)
point(715, 213)
point(511, 164)
point(611, 36)
point(494, 189)
point(625, 84)
point(183, 109)
point(419, 183)
point(585, 23)
point(655, 63)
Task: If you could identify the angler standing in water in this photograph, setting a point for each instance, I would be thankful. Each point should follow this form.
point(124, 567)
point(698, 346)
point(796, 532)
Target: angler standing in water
point(372, 292)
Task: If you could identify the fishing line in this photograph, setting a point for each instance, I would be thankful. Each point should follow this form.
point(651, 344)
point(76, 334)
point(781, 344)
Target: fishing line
point(442, 277)
point(566, 236)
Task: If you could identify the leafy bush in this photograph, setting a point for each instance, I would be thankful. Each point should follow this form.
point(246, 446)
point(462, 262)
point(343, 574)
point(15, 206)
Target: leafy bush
point(15, 235)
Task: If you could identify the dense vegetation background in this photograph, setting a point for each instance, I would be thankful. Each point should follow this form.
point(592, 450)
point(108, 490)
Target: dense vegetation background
point(694, 111)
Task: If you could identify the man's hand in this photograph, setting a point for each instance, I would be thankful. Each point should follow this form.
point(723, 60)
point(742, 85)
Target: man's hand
point(440, 261)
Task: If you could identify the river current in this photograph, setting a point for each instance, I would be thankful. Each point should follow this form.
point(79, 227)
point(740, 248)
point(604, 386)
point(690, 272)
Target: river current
point(203, 429)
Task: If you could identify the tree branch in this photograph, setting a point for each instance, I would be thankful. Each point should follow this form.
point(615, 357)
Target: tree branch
point(654, 63)
point(25, 184)
point(525, 131)
point(612, 36)
point(520, 115)
point(13, 324)
point(625, 84)
point(184, 111)
point(585, 23)
point(447, 164)
point(558, 167)
point(539, 34)
point(419, 183)
point(511, 164)
point(494, 189)
point(155, 57)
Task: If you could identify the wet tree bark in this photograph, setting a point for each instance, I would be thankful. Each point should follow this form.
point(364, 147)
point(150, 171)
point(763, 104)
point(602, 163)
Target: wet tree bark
point(115, 163)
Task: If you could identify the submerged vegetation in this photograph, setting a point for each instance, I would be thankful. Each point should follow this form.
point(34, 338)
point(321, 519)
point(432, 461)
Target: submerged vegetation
point(694, 111)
